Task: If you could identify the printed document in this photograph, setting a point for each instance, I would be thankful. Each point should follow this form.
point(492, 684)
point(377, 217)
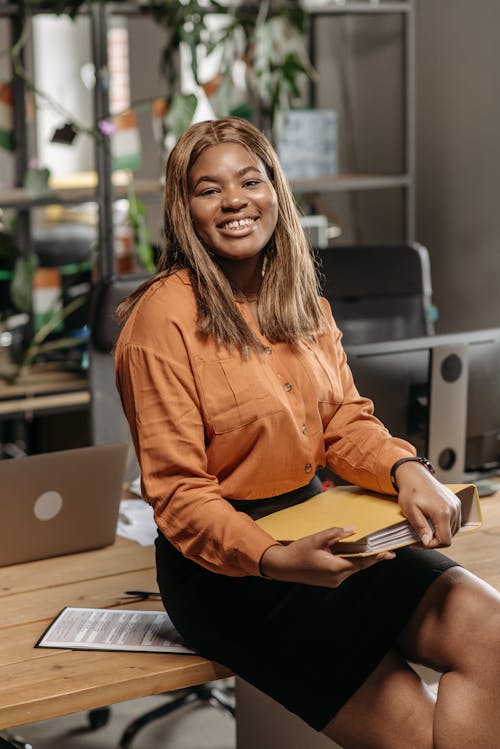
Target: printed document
point(113, 629)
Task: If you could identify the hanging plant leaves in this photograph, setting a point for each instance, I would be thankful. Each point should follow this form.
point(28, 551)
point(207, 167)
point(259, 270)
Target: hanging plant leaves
point(21, 286)
point(180, 113)
point(142, 238)
point(293, 67)
point(265, 37)
point(244, 110)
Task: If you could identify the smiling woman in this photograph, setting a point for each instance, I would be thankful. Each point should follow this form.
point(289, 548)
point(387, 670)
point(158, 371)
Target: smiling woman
point(233, 405)
point(234, 209)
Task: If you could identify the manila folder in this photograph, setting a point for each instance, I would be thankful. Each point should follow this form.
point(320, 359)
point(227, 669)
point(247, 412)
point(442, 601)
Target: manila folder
point(379, 524)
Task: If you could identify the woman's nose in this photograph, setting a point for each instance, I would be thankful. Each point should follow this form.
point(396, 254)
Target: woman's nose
point(233, 200)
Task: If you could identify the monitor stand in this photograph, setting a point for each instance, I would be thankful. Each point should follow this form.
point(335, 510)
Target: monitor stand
point(447, 426)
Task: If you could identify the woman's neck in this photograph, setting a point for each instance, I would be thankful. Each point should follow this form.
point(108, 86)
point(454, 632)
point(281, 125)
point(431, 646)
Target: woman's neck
point(245, 277)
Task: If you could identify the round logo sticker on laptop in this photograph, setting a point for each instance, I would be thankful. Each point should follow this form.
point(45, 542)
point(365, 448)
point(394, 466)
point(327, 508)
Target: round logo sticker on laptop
point(47, 505)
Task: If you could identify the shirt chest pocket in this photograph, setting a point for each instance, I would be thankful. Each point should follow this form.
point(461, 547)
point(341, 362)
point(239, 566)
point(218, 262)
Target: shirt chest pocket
point(235, 393)
point(325, 375)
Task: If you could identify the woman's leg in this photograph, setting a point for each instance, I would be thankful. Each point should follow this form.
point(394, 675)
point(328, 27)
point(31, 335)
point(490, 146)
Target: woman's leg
point(456, 630)
point(392, 710)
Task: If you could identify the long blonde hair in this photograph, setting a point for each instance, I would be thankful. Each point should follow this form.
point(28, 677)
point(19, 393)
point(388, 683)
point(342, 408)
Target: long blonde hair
point(288, 307)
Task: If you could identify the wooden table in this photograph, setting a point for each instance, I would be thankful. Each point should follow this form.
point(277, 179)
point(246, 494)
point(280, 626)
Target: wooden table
point(479, 551)
point(36, 684)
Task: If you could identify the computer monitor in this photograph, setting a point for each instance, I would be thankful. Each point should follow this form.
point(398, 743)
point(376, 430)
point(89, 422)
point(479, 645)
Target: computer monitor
point(441, 393)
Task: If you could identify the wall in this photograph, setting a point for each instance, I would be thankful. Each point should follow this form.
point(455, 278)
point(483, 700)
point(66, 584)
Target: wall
point(458, 129)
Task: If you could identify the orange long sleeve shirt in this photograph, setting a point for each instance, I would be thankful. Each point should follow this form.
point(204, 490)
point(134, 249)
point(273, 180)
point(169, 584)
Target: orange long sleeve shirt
point(208, 424)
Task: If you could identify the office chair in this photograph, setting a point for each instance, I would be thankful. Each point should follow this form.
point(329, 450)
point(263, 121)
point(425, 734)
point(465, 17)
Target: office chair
point(13, 742)
point(378, 292)
point(108, 424)
point(107, 420)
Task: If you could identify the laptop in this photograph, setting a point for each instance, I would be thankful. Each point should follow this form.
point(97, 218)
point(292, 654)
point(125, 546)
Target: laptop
point(60, 502)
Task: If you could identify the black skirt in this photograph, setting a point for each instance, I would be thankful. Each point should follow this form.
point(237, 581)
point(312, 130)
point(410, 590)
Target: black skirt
point(308, 647)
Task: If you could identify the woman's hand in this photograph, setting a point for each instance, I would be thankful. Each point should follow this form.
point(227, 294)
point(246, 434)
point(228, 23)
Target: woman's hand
point(431, 508)
point(310, 560)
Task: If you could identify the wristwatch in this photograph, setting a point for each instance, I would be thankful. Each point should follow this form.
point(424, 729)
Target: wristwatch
point(417, 459)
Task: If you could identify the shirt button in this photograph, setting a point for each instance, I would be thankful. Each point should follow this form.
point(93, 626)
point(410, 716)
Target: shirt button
point(308, 468)
point(287, 386)
point(268, 350)
point(304, 429)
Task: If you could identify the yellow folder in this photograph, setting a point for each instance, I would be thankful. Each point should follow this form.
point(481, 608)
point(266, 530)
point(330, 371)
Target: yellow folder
point(378, 522)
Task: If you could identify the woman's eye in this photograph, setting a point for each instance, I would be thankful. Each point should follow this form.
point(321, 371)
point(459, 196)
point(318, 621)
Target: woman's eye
point(252, 182)
point(208, 191)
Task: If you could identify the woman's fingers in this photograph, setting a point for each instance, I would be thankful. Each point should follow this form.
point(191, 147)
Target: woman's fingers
point(432, 508)
point(420, 524)
point(311, 560)
point(362, 562)
point(331, 536)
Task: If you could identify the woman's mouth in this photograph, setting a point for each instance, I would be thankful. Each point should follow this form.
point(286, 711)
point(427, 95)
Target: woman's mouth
point(236, 224)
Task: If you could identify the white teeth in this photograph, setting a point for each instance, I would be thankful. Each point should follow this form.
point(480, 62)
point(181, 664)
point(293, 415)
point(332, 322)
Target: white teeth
point(239, 224)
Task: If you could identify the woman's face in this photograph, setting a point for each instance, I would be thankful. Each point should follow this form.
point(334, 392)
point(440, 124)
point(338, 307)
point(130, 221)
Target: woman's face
point(232, 201)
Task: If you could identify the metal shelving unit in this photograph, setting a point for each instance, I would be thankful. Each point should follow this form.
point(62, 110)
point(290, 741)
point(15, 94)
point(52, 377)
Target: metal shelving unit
point(20, 199)
point(104, 193)
point(371, 8)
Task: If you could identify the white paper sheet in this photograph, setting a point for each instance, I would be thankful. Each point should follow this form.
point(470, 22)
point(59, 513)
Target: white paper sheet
point(113, 629)
point(136, 522)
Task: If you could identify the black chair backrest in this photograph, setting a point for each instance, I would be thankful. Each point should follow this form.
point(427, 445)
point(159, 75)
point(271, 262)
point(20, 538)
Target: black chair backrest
point(106, 296)
point(108, 423)
point(378, 292)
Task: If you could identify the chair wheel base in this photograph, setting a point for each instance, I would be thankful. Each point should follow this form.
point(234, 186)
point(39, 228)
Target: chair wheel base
point(99, 717)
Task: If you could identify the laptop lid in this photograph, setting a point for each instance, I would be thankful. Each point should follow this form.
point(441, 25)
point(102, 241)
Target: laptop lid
point(60, 502)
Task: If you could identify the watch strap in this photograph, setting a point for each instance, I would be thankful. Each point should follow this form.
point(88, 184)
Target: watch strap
point(416, 459)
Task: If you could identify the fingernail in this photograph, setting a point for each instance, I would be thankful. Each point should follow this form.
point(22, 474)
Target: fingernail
point(348, 530)
point(426, 539)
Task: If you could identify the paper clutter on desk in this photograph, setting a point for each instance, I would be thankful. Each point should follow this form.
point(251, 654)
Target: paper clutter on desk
point(136, 522)
point(135, 486)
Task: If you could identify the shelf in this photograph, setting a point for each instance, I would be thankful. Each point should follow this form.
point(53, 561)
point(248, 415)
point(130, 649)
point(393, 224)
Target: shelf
point(346, 182)
point(320, 9)
point(137, 8)
point(9, 9)
point(153, 190)
point(44, 392)
point(19, 198)
point(59, 402)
